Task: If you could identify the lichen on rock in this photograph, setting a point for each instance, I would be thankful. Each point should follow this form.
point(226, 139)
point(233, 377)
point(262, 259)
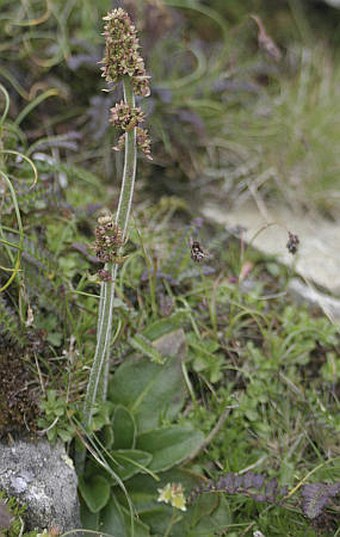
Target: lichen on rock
point(39, 476)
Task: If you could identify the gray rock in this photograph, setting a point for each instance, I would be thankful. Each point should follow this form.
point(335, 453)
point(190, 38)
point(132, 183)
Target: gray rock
point(308, 294)
point(172, 344)
point(42, 477)
point(318, 258)
point(333, 3)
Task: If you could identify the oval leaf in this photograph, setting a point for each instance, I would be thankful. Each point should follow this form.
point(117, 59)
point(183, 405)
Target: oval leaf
point(169, 445)
point(95, 491)
point(150, 391)
point(89, 520)
point(124, 428)
point(115, 520)
point(112, 519)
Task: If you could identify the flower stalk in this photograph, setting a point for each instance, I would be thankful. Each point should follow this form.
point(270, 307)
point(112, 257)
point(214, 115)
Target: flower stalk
point(122, 62)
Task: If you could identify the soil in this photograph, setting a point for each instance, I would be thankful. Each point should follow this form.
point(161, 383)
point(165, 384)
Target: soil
point(19, 403)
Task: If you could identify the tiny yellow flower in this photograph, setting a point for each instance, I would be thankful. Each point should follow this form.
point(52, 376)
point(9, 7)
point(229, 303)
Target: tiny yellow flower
point(165, 494)
point(173, 493)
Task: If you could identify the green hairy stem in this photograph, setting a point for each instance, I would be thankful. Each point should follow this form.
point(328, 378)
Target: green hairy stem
point(98, 380)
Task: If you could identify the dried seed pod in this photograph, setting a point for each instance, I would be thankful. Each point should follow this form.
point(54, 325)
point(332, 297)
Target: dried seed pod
point(197, 253)
point(109, 239)
point(293, 243)
point(104, 275)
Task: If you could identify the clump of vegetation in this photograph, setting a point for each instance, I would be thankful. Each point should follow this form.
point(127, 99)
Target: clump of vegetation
point(12, 518)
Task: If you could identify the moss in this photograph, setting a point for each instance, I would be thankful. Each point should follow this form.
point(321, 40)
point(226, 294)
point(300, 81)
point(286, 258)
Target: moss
point(19, 407)
point(11, 517)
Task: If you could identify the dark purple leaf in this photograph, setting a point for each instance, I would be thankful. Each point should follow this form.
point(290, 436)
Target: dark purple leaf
point(316, 496)
point(258, 481)
point(250, 480)
point(238, 482)
point(270, 490)
point(227, 483)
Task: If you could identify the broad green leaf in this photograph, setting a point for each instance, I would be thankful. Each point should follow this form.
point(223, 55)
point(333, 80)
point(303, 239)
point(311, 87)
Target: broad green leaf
point(142, 491)
point(107, 436)
point(112, 519)
point(159, 517)
point(95, 491)
point(203, 507)
point(161, 339)
point(152, 392)
point(169, 445)
point(212, 522)
point(143, 494)
point(88, 519)
point(124, 428)
point(140, 529)
point(115, 520)
point(130, 462)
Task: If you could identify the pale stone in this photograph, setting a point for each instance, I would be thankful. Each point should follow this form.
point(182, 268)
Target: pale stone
point(37, 475)
point(318, 257)
point(333, 3)
point(172, 344)
point(329, 305)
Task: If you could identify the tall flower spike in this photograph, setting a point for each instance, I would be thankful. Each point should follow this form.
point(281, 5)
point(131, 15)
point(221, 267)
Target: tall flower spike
point(122, 63)
point(122, 56)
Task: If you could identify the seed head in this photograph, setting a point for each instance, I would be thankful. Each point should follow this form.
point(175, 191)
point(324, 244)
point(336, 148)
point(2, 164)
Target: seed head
point(144, 142)
point(125, 117)
point(108, 240)
point(104, 275)
point(122, 56)
point(293, 243)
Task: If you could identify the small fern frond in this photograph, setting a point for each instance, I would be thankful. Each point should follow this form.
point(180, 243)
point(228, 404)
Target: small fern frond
point(10, 328)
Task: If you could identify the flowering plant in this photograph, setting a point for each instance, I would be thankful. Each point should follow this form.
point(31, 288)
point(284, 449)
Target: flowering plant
point(122, 63)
